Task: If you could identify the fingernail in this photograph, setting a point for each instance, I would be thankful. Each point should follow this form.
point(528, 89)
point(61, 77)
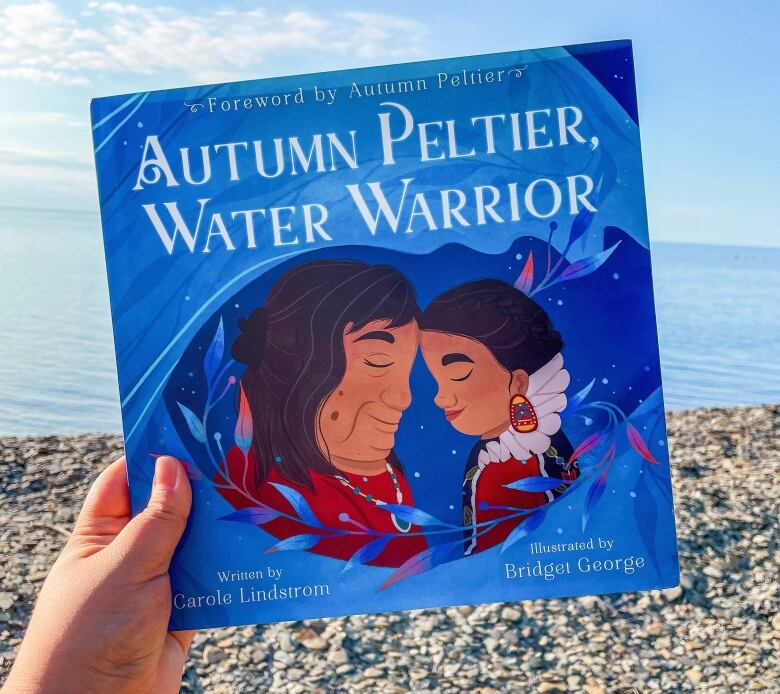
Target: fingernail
point(166, 471)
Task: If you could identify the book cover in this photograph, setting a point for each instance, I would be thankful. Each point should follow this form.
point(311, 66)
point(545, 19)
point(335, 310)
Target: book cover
point(398, 323)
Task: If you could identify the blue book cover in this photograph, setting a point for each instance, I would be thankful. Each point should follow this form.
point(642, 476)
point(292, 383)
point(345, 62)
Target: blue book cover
point(398, 324)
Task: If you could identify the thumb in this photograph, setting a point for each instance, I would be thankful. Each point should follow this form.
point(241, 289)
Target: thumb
point(149, 539)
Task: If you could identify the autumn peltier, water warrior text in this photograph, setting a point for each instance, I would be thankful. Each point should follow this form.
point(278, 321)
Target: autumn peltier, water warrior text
point(395, 207)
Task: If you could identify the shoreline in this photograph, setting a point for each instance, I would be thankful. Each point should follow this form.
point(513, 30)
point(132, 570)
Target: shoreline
point(720, 629)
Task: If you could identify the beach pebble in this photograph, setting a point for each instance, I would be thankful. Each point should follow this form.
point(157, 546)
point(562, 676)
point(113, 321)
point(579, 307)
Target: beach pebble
point(694, 675)
point(593, 689)
point(672, 594)
point(687, 581)
point(284, 641)
point(510, 614)
point(315, 643)
point(655, 629)
point(338, 657)
point(213, 655)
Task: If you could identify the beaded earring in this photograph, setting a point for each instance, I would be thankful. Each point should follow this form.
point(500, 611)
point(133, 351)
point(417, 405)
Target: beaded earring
point(522, 414)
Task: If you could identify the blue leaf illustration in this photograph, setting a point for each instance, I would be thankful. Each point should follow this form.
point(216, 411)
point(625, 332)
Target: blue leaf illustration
point(296, 542)
point(214, 354)
point(606, 179)
point(580, 224)
point(661, 482)
point(368, 552)
point(646, 516)
point(411, 515)
point(584, 267)
point(576, 400)
point(535, 484)
point(299, 504)
point(195, 424)
point(256, 515)
point(423, 561)
point(595, 493)
point(528, 525)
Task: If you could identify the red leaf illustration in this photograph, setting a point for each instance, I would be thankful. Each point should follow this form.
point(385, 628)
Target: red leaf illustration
point(587, 445)
point(423, 561)
point(638, 444)
point(192, 472)
point(526, 279)
point(244, 424)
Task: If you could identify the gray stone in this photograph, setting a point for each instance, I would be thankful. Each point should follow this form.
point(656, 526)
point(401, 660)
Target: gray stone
point(338, 657)
point(687, 581)
point(672, 594)
point(510, 614)
point(315, 643)
point(213, 655)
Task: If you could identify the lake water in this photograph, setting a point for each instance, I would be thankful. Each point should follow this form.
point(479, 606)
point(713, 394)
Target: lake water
point(718, 315)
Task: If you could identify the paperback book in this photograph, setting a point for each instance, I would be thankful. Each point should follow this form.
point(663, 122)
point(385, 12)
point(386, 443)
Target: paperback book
point(398, 325)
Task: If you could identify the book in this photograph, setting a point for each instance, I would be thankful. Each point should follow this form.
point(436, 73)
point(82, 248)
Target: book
point(398, 324)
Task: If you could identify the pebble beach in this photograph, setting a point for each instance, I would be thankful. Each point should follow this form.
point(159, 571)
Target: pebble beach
point(719, 631)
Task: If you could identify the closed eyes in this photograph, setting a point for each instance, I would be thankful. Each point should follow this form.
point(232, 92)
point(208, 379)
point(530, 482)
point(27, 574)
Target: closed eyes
point(377, 366)
point(463, 378)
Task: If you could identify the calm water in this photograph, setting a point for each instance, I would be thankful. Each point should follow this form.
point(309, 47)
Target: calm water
point(718, 317)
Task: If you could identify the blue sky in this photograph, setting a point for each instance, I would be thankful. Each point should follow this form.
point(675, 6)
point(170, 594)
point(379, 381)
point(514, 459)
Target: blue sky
point(707, 79)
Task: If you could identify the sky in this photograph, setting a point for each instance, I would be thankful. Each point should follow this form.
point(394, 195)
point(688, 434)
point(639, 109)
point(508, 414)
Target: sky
point(707, 76)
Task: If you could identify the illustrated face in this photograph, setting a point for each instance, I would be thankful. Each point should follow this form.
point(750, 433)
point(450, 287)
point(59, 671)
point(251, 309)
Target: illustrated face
point(358, 420)
point(474, 389)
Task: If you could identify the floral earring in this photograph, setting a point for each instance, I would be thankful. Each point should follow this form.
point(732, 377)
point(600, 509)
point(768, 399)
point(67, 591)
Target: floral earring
point(522, 414)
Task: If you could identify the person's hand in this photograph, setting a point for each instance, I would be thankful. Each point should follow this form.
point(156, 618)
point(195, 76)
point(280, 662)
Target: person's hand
point(101, 620)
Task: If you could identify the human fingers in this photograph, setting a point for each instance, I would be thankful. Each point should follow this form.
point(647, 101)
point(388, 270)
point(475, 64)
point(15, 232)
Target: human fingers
point(150, 538)
point(106, 509)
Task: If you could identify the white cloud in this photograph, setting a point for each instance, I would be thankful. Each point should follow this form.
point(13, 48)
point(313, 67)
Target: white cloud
point(39, 42)
point(11, 119)
point(45, 157)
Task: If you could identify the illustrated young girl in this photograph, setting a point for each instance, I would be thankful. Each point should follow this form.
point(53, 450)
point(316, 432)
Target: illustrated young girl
point(327, 381)
point(497, 362)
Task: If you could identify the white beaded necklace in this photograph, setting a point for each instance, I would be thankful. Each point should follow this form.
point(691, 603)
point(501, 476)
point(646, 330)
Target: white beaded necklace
point(403, 526)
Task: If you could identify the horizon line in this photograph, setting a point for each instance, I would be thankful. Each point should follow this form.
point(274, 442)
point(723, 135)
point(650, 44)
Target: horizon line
point(96, 212)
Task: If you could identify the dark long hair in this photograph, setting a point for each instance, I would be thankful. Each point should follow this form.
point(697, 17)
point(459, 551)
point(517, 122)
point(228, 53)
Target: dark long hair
point(515, 329)
point(294, 351)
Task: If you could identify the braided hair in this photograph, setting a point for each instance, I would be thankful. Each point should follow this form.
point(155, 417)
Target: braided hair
point(515, 329)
